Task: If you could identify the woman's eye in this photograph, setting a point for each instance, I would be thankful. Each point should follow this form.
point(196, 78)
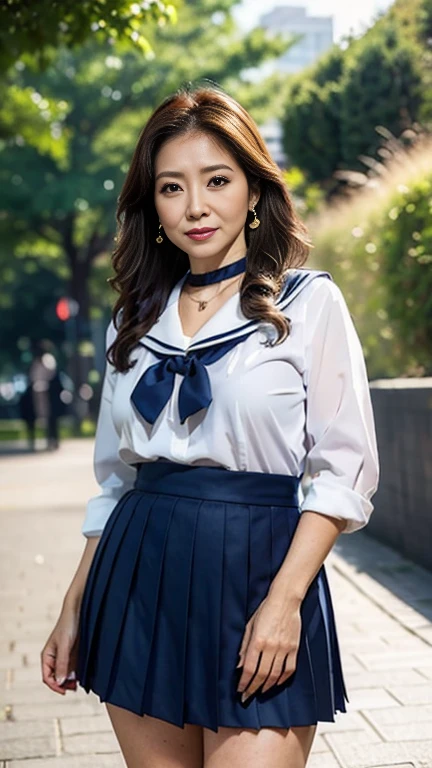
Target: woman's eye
point(166, 187)
point(220, 178)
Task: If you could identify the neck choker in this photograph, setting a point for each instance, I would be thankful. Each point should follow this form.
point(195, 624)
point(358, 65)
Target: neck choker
point(216, 275)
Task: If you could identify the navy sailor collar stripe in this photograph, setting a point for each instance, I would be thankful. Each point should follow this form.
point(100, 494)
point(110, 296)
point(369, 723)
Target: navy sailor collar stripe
point(168, 326)
point(154, 388)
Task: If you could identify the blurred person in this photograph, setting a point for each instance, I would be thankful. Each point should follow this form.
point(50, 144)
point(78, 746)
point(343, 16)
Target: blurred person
point(200, 612)
point(55, 410)
point(27, 412)
point(47, 387)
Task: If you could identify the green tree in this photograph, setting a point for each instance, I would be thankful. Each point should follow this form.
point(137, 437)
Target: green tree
point(31, 33)
point(381, 85)
point(332, 108)
point(58, 208)
point(311, 129)
point(40, 27)
point(377, 244)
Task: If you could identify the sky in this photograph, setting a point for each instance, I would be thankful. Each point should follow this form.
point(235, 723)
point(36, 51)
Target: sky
point(349, 16)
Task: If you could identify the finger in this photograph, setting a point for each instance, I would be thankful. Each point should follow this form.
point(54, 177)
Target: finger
point(249, 668)
point(70, 683)
point(275, 672)
point(62, 664)
point(245, 641)
point(262, 672)
point(289, 667)
point(55, 663)
point(48, 665)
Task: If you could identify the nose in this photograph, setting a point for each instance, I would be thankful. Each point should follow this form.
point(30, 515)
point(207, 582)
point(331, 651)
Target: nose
point(197, 204)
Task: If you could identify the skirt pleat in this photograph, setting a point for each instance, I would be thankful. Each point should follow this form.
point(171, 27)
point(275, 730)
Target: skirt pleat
point(98, 577)
point(136, 649)
point(327, 605)
point(201, 673)
point(184, 561)
point(165, 674)
point(111, 626)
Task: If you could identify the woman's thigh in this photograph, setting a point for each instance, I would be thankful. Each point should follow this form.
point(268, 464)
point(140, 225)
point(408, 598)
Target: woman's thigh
point(264, 748)
point(147, 742)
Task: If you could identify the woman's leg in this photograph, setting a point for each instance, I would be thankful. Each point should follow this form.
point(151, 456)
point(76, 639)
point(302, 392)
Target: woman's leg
point(264, 748)
point(147, 742)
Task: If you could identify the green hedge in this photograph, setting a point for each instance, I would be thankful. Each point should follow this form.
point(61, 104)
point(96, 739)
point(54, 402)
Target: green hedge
point(378, 247)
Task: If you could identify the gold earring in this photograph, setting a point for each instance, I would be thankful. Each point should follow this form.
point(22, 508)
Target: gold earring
point(256, 222)
point(159, 238)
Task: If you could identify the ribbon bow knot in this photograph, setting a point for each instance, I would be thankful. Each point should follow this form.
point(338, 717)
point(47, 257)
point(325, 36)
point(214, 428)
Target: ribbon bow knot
point(154, 388)
point(183, 364)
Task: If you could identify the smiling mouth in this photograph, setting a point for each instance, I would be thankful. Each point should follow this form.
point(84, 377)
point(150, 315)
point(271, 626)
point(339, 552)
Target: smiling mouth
point(201, 234)
point(201, 231)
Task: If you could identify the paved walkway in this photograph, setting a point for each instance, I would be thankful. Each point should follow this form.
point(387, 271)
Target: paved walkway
point(383, 607)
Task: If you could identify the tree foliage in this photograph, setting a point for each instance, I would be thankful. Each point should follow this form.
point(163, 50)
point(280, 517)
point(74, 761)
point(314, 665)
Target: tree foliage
point(30, 35)
point(39, 27)
point(378, 246)
point(381, 85)
point(332, 108)
point(407, 260)
point(58, 205)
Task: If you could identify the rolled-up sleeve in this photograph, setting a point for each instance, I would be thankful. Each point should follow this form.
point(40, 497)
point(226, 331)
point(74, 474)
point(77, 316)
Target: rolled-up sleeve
point(342, 464)
point(114, 477)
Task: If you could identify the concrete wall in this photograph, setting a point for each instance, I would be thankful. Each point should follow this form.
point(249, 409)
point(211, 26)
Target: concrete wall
point(402, 516)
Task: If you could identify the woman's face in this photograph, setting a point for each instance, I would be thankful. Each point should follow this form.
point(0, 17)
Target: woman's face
point(199, 184)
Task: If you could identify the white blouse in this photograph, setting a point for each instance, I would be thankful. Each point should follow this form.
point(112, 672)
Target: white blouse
point(301, 407)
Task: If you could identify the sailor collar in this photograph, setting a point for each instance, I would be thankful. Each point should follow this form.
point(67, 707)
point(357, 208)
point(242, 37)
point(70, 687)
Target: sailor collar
point(166, 342)
point(225, 325)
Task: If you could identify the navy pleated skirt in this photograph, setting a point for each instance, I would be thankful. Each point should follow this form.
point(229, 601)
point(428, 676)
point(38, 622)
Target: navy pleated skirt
point(184, 560)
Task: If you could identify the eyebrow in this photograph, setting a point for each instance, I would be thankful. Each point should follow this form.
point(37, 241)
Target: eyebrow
point(208, 168)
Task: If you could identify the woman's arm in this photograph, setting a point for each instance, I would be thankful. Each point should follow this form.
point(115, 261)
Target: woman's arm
point(342, 459)
point(73, 596)
point(274, 629)
point(60, 652)
point(59, 655)
point(314, 538)
point(113, 475)
point(342, 462)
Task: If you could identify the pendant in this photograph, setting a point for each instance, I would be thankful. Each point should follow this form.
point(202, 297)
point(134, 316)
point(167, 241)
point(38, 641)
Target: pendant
point(202, 305)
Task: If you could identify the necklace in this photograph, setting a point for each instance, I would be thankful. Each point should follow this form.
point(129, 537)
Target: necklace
point(203, 303)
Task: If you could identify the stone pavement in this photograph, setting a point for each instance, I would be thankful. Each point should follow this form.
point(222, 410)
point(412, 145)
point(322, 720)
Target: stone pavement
point(383, 607)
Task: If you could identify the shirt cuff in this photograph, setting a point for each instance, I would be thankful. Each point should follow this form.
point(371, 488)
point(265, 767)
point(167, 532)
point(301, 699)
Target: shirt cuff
point(98, 510)
point(337, 501)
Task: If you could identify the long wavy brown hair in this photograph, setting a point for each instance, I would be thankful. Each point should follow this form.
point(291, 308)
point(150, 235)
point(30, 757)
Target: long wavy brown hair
point(146, 272)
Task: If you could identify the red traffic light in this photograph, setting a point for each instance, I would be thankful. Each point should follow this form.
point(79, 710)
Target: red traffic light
point(62, 309)
point(66, 308)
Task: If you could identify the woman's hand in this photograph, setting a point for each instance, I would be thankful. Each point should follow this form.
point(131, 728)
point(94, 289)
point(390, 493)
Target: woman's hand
point(59, 654)
point(274, 632)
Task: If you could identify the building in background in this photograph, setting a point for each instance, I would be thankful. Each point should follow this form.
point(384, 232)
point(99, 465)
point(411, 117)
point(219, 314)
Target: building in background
point(316, 35)
point(316, 38)
point(271, 132)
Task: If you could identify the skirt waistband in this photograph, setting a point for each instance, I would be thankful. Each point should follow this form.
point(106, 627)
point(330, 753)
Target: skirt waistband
point(217, 483)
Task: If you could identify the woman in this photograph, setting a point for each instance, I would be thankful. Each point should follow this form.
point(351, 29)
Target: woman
point(200, 612)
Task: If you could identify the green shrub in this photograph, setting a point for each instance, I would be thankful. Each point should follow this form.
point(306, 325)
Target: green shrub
point(383, 78)
point(378, 247)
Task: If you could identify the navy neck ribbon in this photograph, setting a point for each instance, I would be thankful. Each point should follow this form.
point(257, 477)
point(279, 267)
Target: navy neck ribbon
point(217, 275)
point(155, 386)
